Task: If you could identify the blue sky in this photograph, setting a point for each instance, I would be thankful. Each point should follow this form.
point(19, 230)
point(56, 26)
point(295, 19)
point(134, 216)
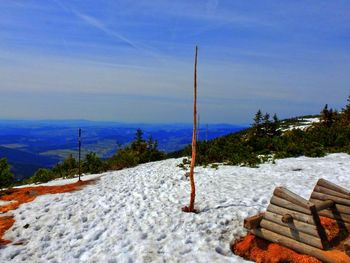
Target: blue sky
point(132, 61)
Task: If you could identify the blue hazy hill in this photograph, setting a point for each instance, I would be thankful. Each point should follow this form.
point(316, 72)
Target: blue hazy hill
point(24, 164)
point(29, 145)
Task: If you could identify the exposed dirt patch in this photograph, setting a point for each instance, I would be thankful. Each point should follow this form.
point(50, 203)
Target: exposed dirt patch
point(262, 251)
point(19, 196)
point(5, 223)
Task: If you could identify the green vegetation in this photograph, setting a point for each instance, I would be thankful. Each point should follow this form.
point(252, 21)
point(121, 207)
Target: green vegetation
point(68, 168)
point(266, 140)
point(138, 152)
point(42, 176)
point(6, 177)
point(92, 164)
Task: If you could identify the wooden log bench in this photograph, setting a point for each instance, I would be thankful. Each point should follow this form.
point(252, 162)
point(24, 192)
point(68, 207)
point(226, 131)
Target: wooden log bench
point(294, 222)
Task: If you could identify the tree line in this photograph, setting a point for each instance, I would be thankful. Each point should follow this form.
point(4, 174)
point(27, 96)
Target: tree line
point(266, 139)
point(139, 151)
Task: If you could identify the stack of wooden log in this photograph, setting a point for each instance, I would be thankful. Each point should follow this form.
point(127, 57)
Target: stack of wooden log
point(294, 222)
point(325, 191)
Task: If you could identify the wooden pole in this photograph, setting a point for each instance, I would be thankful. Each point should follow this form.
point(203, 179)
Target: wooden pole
point(253, 222)
point(291, 233)
point(79, 154)
point(295, 224)
point(284, 193)
point(296, 215)
point(326, 197)
point(190, 208)
point(288, 205)
point(342, 209)
point(331, 186)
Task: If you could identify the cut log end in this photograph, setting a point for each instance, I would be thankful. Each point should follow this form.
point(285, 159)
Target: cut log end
point(253, 222)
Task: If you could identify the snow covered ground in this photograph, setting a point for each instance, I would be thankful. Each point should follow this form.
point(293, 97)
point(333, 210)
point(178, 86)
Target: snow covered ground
point(304, 123)
point(134, 215)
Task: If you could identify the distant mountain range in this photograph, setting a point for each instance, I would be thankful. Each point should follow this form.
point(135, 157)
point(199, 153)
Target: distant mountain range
point(24, 164)
point(29, 145)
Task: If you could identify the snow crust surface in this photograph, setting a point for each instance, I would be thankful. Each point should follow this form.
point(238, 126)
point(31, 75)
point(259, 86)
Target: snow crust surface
point(304, 125)
point(134, 215)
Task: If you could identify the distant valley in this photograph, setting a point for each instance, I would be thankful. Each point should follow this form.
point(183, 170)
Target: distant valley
point(29, 145)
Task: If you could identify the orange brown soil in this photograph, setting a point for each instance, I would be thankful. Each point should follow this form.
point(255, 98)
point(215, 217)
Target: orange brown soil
point(336, 233)
point(19, 196)
point(262, 251)
point(5, 223)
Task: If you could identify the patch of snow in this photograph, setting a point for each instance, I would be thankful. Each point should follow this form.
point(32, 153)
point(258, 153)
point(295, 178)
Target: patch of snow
point(311, 120)
point(304, 124)
point(5, 202)
point(134, 215)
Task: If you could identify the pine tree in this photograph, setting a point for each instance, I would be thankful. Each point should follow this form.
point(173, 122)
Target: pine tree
point(324, 113)
point(328, 116)
point(266, 123)
point(93, 164)
point(256, 130)
point(346, 110)
point(257, 119)
point(139, 144)
point(275, 125)
point(6, 177)
point(42, 175)
point(150, 143)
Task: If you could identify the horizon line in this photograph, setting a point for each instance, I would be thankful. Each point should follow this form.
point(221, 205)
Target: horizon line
point(119, 122)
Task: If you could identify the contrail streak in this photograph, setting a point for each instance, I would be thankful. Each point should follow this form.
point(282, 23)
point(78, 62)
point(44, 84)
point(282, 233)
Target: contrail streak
point(93, 22)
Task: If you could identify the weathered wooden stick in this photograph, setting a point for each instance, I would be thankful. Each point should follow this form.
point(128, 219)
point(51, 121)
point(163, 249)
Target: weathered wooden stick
point(79, 153)
point(296, 215)
point(325, 197)
point(343, 209)
point(332, 186)
point(292, 233)
point(324, 256)
point(301, 226)
point(325, 190)
point(286, 204)
point(291, 197)
point(194, 139)
point(253, 221)
point(190, 208)
point(324, 205)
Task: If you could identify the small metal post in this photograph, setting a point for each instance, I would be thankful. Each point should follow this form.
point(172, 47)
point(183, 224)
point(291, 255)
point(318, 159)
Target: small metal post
point(79, 146)
point(206, 134)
